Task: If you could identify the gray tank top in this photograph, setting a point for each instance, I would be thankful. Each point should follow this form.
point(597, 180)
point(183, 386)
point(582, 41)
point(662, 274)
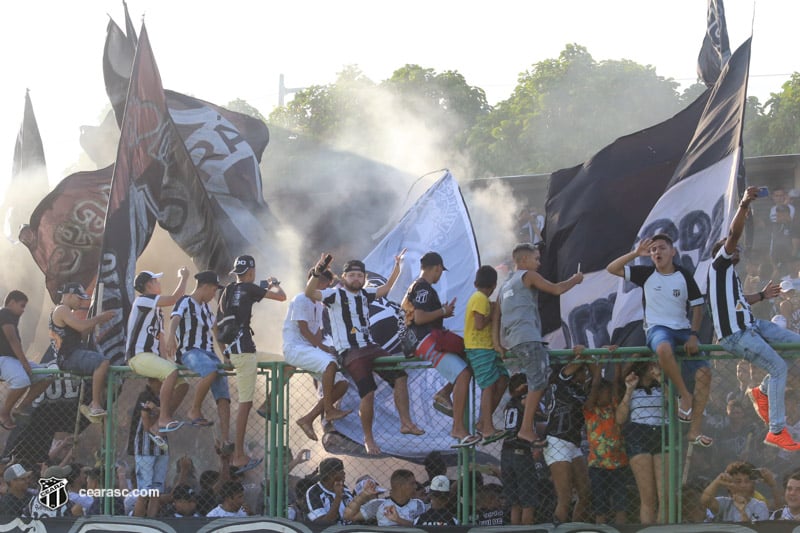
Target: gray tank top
point(520, 312)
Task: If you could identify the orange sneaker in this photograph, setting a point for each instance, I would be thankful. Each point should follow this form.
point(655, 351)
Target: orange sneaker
point(760, 403)
point(782, 440)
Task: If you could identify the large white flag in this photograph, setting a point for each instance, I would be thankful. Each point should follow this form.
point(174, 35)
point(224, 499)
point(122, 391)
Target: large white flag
point(438, 221)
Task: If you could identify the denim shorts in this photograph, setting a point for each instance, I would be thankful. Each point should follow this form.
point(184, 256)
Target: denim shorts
point(677, 337)
point(534, 360)
point(204, 363)
point(82, 362)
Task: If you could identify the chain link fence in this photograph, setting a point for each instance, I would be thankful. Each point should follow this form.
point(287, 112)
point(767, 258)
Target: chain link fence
point(596, 476)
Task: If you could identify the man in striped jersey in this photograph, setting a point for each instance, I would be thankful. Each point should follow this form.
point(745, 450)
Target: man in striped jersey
point(145, 325)
point(190, 342)
point(741, 334)
point(348, 308)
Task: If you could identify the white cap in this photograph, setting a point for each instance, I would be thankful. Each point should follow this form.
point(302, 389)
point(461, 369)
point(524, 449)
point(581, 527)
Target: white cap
point(15, 471)
point(440, 484)
point(787, 285)
point(362, 482)
point(780, 320)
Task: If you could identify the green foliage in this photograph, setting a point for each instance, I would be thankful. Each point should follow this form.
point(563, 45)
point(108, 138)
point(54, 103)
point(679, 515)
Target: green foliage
point(244, 107)
point(775, 128)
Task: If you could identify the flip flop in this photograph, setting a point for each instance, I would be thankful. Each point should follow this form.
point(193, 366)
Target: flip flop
point(87, 412)
point(175, 425)
point(264, 411)
point(494, 437)
point(251, 464)
point(443, 405)
point(201, 422)
point(467, 441)
point(685, 416)
point(8, 426)
point(702, 440)
point(159, 441)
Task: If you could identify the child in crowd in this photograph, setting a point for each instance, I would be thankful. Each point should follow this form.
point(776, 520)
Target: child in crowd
point(608, 463)
point(516, 459)
point(565, 400)
point(149, 448)
point(232, 496)
point(490, 375)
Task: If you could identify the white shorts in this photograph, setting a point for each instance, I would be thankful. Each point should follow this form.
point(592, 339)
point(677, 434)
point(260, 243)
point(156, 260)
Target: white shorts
point(11, 372)
point(560, 450)
point(309, 358)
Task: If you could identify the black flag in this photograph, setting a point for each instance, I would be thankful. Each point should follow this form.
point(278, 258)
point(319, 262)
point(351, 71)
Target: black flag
point(715, 50)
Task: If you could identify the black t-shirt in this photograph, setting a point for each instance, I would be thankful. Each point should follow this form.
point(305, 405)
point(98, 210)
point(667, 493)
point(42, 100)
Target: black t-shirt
point(241, 298)
point(512, 421)
point(436, 517)
point(10, 505)
point(424, 297)
point(565, 408)
point(7, 317)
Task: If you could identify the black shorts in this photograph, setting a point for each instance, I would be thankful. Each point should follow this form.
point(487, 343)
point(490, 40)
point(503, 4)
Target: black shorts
point(641, 439)
point(359, 363)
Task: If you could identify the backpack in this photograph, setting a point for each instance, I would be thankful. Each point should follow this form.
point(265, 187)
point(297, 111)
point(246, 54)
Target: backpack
point(228, 326)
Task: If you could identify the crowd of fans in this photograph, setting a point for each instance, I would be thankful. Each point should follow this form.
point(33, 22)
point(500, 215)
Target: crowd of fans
point(580, 440)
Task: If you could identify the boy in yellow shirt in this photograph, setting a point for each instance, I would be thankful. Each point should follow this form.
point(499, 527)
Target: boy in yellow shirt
point(490, 374)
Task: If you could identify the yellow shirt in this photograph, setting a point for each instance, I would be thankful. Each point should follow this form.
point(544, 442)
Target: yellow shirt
point(477, 338)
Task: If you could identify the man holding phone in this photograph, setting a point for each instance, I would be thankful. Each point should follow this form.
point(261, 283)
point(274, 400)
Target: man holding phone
point(241, 352)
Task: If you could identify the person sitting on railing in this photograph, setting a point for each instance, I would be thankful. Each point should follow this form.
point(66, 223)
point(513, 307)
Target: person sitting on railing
point(190, 341)
point(740, 505)
point(425, 314)
point(348, 309)
point(15, 368)
point(791, 495)
point(741, 334)
point(304, 349)
point(66, 337)
point(642, 411)
point(145, 332)
point(667, 291)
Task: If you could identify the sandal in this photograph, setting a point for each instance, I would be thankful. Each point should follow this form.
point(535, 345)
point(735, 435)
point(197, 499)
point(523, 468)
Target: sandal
point(175, 425)
point(685, 416)
point(159, 441)
point(251, 464)
point(467, 441)
point(702, 440)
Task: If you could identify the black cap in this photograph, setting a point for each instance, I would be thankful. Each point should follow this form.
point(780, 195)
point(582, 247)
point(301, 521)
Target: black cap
point(354, 265)
point(207, 277)
point(524, 246)
point(431, 259)
point(143, 278)
point(183, 493)
point(242, 264)
point(329, 466)
point(73, 287)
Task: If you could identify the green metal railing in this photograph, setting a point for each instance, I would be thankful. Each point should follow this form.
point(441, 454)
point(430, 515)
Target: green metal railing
point(276, 431)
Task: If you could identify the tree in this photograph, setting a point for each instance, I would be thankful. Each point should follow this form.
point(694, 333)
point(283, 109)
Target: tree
point(565, 109)
point(244, 107)
point(775, 128)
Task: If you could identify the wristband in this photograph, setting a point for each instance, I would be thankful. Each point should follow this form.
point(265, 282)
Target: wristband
point(444, 312)
point(693, 332)
point(761, 295)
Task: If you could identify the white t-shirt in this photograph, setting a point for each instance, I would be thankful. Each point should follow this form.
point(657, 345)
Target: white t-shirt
point(219, 511)
point(376, 509)
point(301, 308)
point(665, 295)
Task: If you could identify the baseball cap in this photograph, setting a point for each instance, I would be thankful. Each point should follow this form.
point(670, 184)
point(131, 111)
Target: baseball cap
point(207, 277)
point(73, 287)
point(57, 471)
point(362, 482)
point(431, 259)
point(143, 277)
point(330, 465)
point(183, 493)
point(15, 471)
point(242, 264)
point(787, 285)
point(440, 484)
point(354, 265)
point(780, 320)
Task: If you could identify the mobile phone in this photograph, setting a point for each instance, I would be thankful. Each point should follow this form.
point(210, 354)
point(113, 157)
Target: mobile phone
point(306, 455)
point(763, 192)
point(264, 284)
point(326, 262)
